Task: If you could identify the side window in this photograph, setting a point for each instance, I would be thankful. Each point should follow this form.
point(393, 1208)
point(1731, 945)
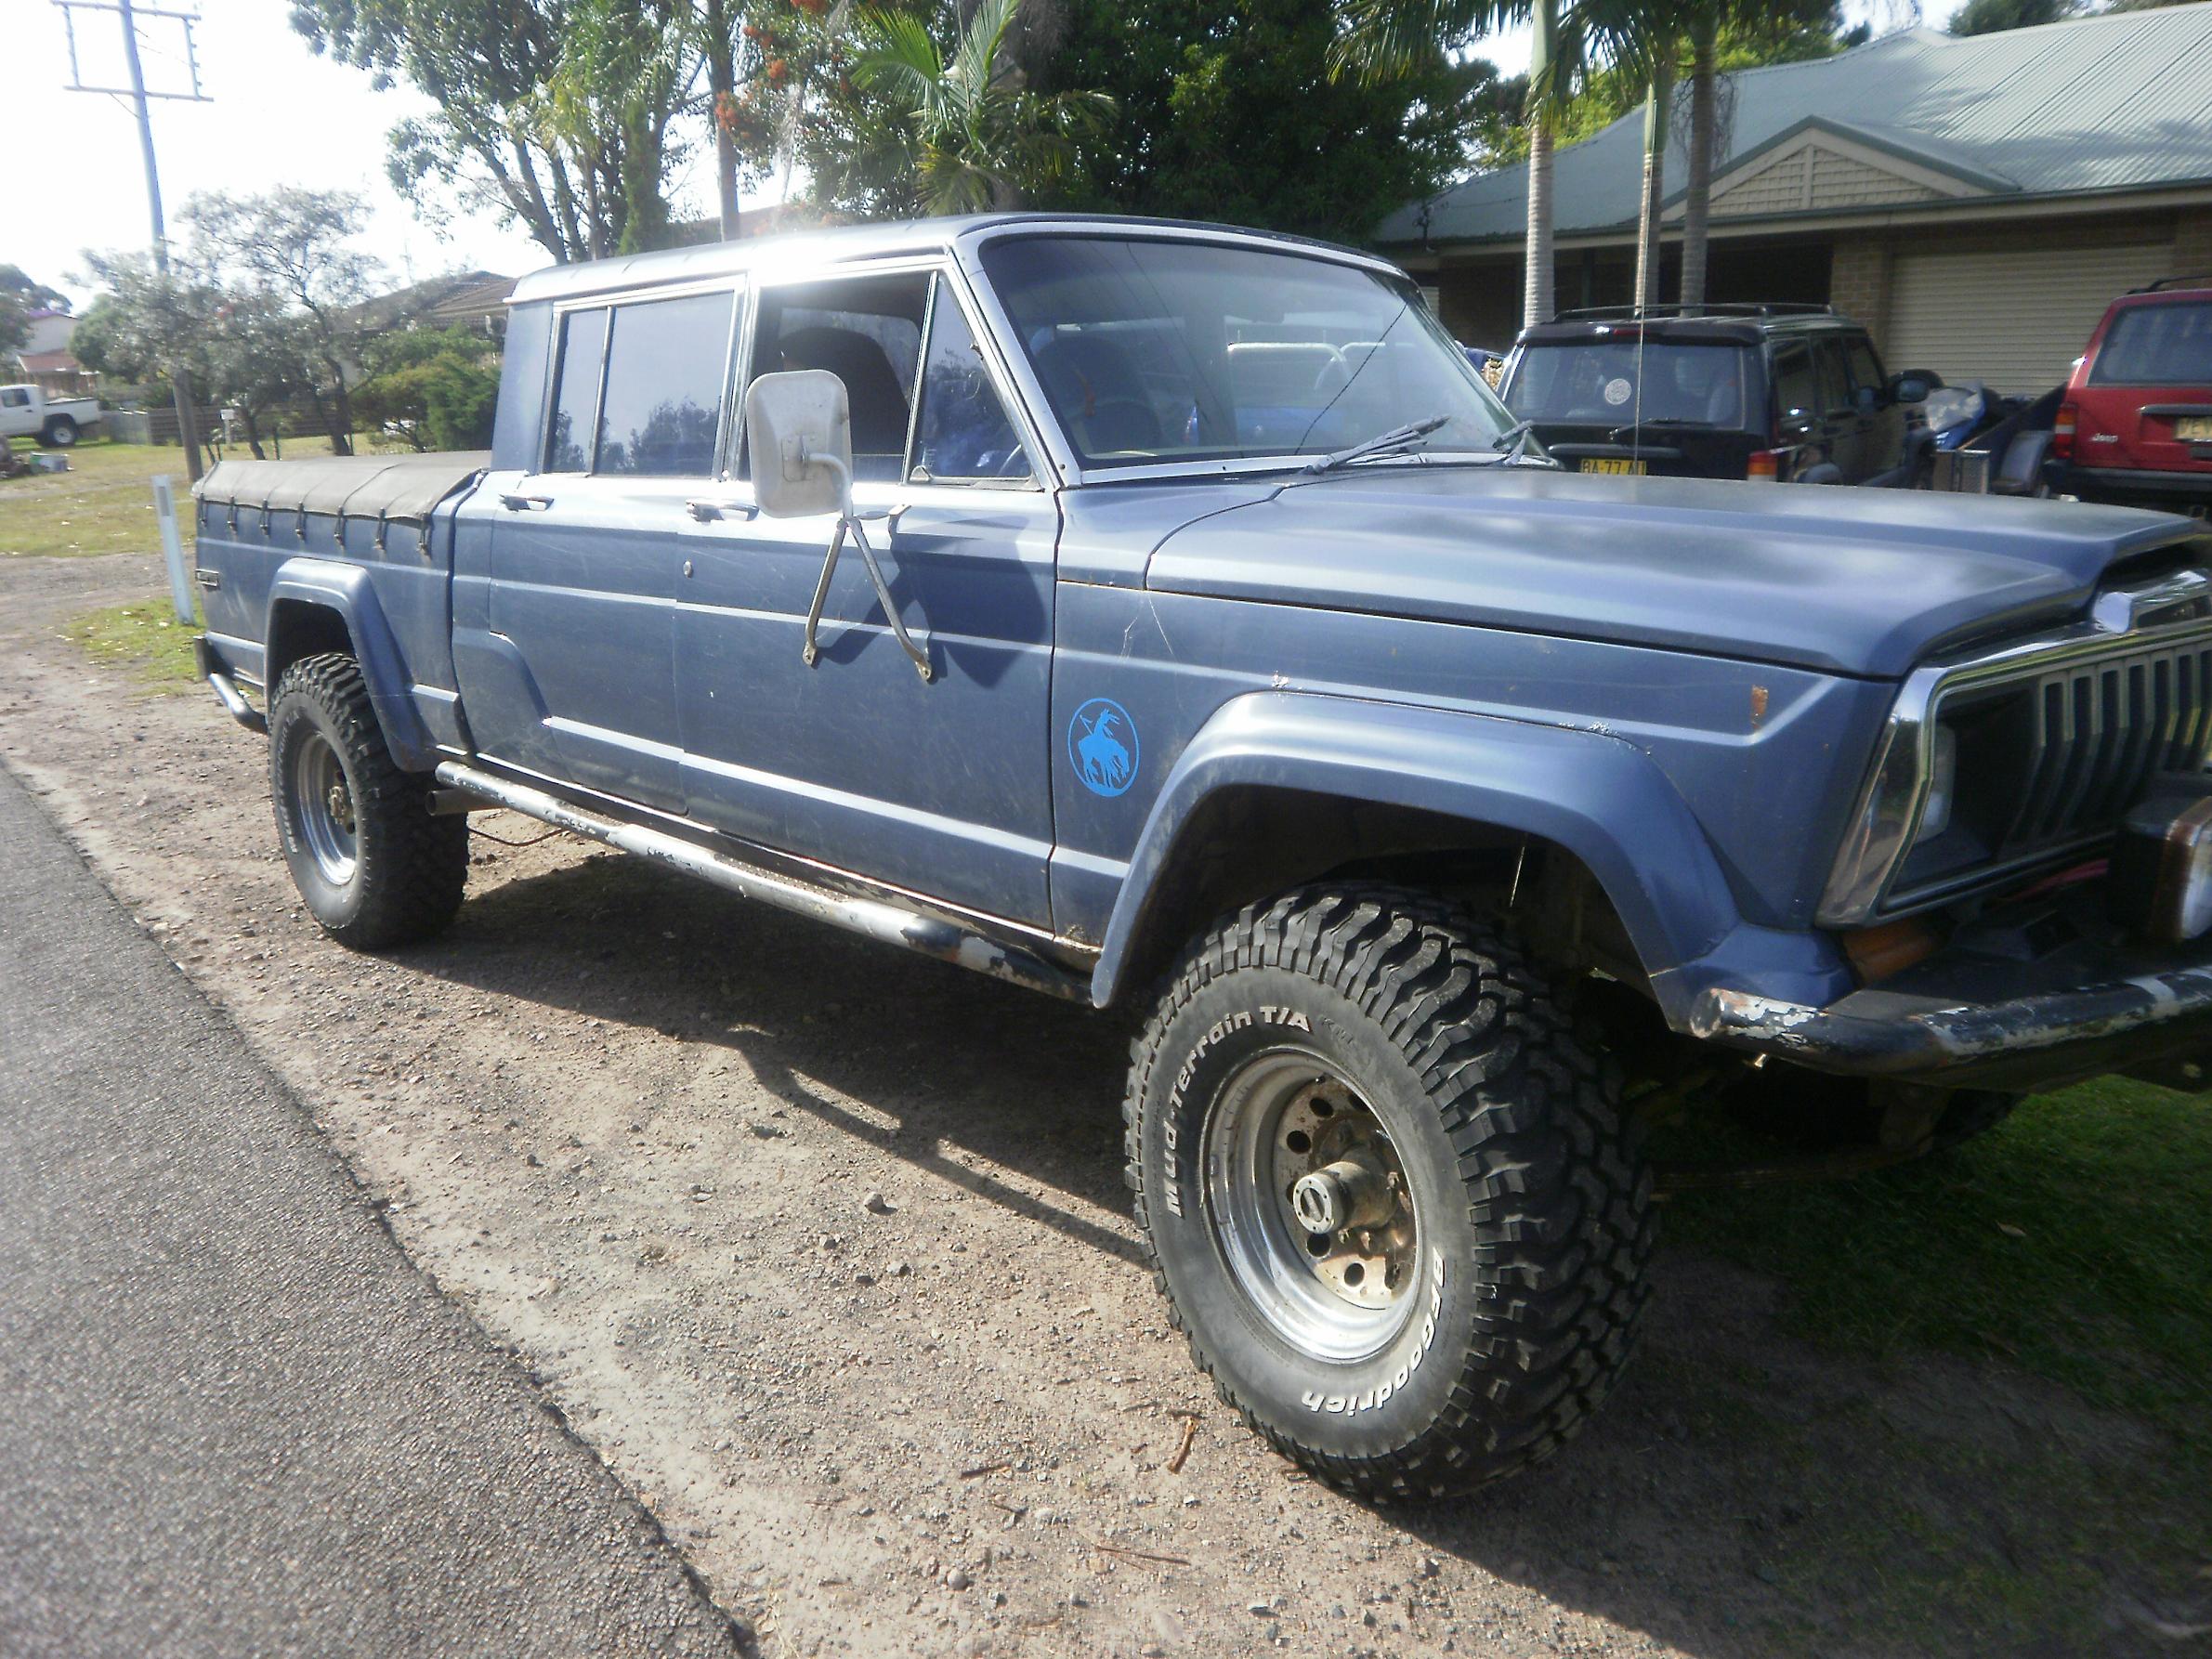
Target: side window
point(867, 330)
point(1835, 385)
point(1794, 386)
point(666, 371)
point(962, 431)
point(575, 392)
point(16, 397)
point(1866, 368)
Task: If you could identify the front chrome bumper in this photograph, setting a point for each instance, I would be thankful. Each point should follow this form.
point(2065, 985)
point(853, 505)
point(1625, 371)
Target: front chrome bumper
point(2154, 1022)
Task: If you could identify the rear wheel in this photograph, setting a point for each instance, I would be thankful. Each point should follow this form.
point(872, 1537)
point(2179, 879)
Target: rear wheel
point(1390, 1200)
point(373, 866)
point(60, 434)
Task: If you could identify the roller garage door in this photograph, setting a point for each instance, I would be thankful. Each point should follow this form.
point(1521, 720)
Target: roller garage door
point(2015, 319)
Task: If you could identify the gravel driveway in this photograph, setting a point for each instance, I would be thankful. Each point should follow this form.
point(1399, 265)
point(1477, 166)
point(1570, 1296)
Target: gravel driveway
point(824, 1248)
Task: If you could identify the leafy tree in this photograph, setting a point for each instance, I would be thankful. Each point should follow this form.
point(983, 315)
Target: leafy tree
point(19, 296)
point(437, 386)
point(1990, 17)
point(241, 348)
point(1230, 113)
point(569, 116)
point(34, 295)
point(1390, 39)
point(294, 254)
point(967, 132)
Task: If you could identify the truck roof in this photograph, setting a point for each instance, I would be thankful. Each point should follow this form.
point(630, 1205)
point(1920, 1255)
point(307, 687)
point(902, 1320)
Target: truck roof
point(869, 242)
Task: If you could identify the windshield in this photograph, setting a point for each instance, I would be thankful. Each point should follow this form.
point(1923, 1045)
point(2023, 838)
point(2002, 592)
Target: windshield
point(1625, 383)
point(1155, 351)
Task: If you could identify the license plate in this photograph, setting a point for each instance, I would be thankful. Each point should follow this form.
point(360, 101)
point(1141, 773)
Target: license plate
point(1607, 463)
point(2193, 429)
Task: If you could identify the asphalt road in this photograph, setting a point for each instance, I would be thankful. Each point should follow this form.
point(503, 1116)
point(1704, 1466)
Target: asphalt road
point(234, 1419)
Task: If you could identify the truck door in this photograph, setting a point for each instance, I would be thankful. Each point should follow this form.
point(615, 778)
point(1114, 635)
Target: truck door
point(943, 786)
point(1881, 419)
point(578, 675)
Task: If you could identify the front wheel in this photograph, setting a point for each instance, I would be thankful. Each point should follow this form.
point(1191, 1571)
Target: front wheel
point(1393, 1202)
point(373, 866)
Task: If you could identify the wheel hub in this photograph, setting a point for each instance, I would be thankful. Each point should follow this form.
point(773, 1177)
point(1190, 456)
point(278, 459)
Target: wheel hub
point(324, 810)
point(1311, 1208)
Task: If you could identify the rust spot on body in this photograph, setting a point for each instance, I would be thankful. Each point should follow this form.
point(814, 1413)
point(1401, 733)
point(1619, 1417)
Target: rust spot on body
point(1758, 706)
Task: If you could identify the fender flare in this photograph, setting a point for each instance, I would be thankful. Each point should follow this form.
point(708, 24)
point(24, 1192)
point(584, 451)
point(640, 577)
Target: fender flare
point(1591, 793)
point(346, 590)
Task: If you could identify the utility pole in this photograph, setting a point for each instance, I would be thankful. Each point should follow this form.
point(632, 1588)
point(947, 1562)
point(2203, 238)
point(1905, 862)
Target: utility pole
point(188, 414)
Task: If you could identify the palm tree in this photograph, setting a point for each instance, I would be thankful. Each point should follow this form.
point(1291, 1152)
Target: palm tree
point(976, 136)
point(1706, 23)
point(1387, 37)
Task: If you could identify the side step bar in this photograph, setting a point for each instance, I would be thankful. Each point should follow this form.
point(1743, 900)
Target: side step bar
point(234, 702)
point(878, 920)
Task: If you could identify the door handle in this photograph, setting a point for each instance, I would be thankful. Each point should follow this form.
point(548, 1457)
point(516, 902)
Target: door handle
point(704, 510)
point(525, 503)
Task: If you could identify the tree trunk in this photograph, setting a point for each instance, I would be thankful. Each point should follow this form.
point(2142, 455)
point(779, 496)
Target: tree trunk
point(722, 88)
point(246, 414)
point(1535, 277)
point(1648, 243)
point(1536, 285)
point(1699, 187)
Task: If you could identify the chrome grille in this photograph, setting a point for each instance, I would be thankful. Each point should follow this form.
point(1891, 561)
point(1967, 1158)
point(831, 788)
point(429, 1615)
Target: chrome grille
point(2099, 730)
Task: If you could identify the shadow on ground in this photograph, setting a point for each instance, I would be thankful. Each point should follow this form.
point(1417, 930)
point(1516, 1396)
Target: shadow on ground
point(1744, 1493)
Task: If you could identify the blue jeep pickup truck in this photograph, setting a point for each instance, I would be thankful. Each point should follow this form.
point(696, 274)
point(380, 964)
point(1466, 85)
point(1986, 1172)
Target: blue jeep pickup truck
point(1168, 618)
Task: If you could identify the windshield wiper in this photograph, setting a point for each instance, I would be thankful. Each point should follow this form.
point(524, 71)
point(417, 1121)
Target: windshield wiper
point(1382, 443)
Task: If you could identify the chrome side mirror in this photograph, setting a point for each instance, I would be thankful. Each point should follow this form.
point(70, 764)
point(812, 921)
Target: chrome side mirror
point(799, 428)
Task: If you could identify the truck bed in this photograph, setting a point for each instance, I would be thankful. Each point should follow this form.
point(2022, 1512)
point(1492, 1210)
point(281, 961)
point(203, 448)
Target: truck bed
point(359, 538)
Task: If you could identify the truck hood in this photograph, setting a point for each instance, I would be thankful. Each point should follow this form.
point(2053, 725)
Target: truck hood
point(1842, 580)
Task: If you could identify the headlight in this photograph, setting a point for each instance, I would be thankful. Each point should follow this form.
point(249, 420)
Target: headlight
point(2162, 865)
point(1943, 775)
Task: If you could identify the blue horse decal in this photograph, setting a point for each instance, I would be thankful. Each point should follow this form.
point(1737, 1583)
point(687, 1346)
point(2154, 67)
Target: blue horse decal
point(1102, 741)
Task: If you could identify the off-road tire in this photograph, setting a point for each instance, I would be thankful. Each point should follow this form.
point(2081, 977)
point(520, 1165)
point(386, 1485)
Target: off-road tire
point(410, 868)
point(1530, 1183)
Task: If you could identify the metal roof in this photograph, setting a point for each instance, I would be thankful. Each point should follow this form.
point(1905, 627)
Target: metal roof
point(2116, 102)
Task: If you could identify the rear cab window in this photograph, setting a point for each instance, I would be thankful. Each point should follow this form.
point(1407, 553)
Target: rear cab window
point(1796, 391)
point(638, 387)
point(1620, 383)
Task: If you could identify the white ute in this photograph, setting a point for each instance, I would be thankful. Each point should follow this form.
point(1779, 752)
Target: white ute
point(26, 411)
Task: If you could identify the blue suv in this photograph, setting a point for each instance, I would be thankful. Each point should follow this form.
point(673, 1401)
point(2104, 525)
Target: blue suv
point(1168, 618)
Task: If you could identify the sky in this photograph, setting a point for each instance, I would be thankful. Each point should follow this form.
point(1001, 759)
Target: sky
point(279, 114)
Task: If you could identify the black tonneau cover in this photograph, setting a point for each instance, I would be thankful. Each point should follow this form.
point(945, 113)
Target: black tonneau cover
point(406, 488)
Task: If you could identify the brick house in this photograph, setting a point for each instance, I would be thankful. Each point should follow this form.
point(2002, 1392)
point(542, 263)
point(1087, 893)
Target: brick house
point(1975, 200)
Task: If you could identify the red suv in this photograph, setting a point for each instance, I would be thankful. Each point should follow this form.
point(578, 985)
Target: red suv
point(2135, 426)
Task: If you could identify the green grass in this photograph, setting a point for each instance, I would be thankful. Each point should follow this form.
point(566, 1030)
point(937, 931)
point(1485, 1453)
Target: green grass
point(144, 639)
point(104, 503)
point(2072, 1242)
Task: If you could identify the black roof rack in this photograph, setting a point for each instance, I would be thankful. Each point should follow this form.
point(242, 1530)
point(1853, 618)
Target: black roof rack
point(2165, 282)
point(1711, 308)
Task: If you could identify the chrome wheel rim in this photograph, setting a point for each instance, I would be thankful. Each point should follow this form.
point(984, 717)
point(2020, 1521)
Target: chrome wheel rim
point(1310, 1208)
point(322, 804)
